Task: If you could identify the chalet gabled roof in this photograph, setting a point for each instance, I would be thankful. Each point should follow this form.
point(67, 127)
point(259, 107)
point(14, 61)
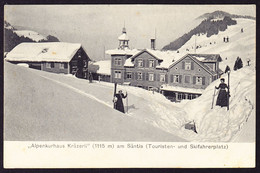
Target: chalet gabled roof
point(200, 63)
point(207, 57)
point(166, 58)
point(46, 51)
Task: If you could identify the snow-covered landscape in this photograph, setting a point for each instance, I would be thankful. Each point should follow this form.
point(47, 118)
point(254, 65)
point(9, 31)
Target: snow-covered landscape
point(46, 106)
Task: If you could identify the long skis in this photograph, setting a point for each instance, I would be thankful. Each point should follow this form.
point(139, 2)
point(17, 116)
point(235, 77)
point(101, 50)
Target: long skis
point(114, 95)
point(213, 98)
point(228, 91)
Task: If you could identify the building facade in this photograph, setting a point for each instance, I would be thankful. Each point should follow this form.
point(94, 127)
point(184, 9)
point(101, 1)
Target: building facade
point(175, 76)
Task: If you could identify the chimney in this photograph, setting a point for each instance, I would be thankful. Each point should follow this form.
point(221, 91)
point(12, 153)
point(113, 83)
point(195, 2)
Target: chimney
point(153, 43)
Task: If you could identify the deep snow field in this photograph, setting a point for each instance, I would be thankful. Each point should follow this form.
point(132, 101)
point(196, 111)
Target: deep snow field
point(42, 105)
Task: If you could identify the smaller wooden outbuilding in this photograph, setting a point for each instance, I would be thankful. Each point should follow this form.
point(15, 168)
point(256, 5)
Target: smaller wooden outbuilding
point(56, 57)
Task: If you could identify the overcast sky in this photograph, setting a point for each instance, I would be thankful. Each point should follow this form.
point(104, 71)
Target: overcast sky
point(97, 27)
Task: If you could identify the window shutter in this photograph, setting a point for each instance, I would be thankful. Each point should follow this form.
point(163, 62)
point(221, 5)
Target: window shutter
point(194, 79)
point(203, 80)
point(143, 78)
point(147, 63)
point(166, 78)
point(180, 78)
point(154, 77)
point(136, 76)
point(171, 78)
point(183, 65)
point(147, 76)
point(52, 64)
point(133, 75)
point(192, 65)
point(158, 77)
point(65, 65)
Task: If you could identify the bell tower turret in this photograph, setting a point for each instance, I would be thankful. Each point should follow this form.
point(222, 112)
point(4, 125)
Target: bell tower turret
point(123, 40)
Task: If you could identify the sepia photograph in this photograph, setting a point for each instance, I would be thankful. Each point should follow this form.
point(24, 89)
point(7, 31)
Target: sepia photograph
point(137, 77)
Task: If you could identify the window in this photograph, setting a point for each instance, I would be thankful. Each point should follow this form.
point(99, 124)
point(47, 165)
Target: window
point(48, 65)
point(85, 63)
point(198, 80)
point(140, 62)
point(181, 96)
point(187, 65)
point(129, 75)
point(176, 79)
point(118, 61)
point(117, 74)
point(189, 96)
point(151, 63)
point(139, 76)
point(52, 64)
point(61, 65)
point(162, 77)
point(187, 79)
point(151, 77)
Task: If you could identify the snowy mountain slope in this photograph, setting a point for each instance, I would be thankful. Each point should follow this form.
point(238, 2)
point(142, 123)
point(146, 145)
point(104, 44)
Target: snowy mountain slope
point(240, 44)
point(30, 34)
point(37, 106)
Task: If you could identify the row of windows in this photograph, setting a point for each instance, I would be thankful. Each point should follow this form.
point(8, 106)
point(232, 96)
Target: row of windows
point(140, 62)
point(51, 65)
point(182, 96)
point(198, 80)
point(150, 77)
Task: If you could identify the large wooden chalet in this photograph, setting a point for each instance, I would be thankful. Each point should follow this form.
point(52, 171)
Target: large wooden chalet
point(56, 57)
point(177, 77)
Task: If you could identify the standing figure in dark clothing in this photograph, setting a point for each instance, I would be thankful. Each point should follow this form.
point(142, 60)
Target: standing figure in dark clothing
point(119, 102)
point(223, 95)
point(90, 77)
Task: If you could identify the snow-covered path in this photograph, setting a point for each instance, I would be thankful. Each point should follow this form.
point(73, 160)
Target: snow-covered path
point(43, 108)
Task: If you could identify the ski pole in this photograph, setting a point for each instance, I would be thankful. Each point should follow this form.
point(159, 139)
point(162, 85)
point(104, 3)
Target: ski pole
point(127, 104)
point(213, 98)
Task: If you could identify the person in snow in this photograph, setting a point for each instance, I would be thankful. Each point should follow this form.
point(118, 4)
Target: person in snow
point(238, 64)
point(118, 100)
point(90, 77)
point(223, 95)
point(227, 39)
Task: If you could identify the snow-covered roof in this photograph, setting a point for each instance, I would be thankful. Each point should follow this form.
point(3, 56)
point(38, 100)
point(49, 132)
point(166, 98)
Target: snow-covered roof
point(47, 51)
point(104, 67)
point(30, 34)
point(123, 37)
point(167, 57)
point(129, 63)
point(181, 89)
point(207, 57)
point(125, 51)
